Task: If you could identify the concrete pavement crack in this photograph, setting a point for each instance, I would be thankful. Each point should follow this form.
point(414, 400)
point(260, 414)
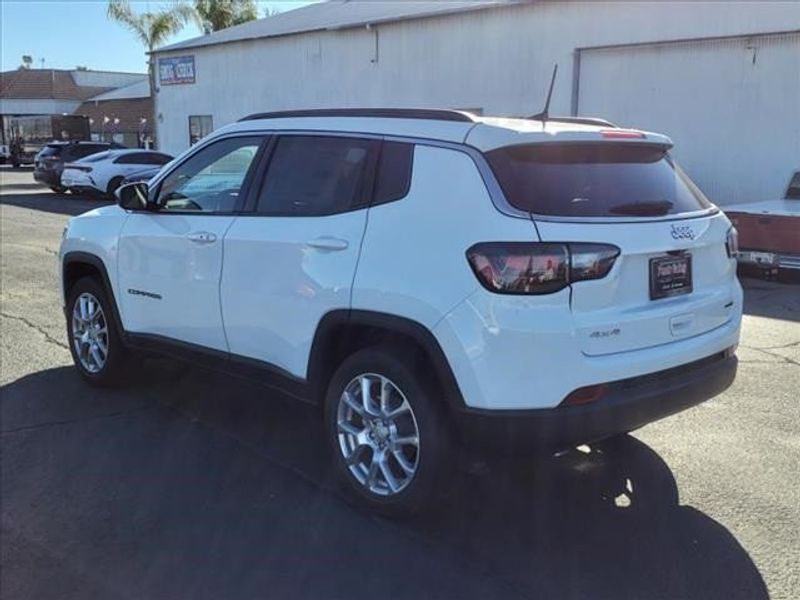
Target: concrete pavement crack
point(766, 351)
point(49, 338)
point(119, 413)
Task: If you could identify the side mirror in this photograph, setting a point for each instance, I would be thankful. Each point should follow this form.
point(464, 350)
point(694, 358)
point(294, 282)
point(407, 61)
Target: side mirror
point(134, 196)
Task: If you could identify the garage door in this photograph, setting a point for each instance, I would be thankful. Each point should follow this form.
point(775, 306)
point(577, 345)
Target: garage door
point(732, 106)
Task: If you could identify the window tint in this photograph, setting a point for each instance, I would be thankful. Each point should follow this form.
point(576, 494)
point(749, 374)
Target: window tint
point(793, 191)
point(595, 180)
point(312, 175)
point(210, 180)
point(135, 158)
point(82, 150)
point(394, 172)
point(157, 159)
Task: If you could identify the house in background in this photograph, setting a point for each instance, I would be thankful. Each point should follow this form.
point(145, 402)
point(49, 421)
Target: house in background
point(117, 104)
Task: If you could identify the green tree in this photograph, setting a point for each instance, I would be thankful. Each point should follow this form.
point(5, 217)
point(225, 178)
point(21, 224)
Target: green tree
point(152, 28)
point(213, 15)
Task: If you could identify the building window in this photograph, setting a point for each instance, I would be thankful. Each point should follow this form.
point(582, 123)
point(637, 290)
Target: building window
point(199, 127)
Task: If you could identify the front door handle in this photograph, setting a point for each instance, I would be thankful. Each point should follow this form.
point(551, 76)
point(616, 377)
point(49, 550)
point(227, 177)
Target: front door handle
point(201, 237)
point(328, 243)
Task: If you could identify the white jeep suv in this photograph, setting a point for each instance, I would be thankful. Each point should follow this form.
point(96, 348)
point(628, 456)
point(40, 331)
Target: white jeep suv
point(427, 277)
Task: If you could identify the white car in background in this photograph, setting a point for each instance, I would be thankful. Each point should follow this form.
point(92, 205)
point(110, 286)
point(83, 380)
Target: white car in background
point(104, 172)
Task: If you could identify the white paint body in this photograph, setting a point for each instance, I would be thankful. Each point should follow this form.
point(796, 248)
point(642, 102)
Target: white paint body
point(735, 123)
point(106, 166)
point(261, 286)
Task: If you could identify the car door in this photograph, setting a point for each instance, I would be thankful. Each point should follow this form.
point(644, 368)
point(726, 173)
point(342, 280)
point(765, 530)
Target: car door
point(170, 260)
point(293, 259)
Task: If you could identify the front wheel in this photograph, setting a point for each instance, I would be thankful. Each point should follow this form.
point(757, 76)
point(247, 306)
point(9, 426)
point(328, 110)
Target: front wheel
point(94, 340)
point(387, 433)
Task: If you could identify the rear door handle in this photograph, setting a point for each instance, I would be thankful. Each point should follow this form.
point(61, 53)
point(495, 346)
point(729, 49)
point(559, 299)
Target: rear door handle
point(201, 237)
point(328, 243)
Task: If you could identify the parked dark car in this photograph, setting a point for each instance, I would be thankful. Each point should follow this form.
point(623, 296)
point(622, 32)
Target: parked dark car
point(49, 162)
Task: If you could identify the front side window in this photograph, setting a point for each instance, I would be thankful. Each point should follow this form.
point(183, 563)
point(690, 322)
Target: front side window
point(136, 158)
point(210, 181)
point(199, 127)
point(594, 180)
point(315, 175)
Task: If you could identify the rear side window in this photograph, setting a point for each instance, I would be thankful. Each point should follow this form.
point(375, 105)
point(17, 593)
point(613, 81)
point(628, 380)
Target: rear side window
point(793, 191)
point(315, 175)
point(393, 178)
point(594, 180)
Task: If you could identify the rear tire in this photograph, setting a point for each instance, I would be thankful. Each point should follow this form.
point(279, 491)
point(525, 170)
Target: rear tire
point(93, 337)
point(113, 185)
point(391, 452)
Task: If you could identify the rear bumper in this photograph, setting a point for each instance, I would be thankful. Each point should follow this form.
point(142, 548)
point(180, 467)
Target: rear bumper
point(48, 178)
point(627, 405)
point(770, 260)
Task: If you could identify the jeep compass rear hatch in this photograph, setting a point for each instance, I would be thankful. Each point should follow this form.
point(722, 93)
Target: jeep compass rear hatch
point(671, 277)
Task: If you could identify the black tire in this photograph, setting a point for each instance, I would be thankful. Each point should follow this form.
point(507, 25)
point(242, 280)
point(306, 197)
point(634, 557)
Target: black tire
point(118, 359)
point(58, 189)
point(113, 185)
point(423, 491)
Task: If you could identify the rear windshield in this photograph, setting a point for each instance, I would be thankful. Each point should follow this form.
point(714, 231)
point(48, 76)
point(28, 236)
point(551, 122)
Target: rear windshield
point(50, 151)
point(793, 191)
point(594, 180)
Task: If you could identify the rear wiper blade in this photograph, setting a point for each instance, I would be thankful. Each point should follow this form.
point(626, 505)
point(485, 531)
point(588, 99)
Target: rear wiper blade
point(643, 209)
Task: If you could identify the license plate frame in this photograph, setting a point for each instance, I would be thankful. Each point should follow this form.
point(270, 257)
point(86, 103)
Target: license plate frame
point(670, 276)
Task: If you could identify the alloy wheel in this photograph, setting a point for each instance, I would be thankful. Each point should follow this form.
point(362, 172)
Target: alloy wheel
point(89, 333)
point(378, 434)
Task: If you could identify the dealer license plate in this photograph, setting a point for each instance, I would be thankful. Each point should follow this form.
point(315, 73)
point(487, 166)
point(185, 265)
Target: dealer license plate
point(670, 276)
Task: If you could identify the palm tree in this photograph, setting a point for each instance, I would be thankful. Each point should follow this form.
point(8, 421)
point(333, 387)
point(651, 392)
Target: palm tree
point(213, 15)
point(152, 28)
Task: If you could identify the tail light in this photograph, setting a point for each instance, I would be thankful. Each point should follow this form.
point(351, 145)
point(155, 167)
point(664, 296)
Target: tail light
point(76, 167)
point(538, 267)
point(732, 243)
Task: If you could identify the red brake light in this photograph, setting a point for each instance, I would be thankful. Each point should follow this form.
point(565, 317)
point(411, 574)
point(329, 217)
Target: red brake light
point(535, 268)
point(622, 134)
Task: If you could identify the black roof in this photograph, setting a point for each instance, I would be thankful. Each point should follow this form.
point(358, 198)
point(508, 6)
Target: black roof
point(435, 114)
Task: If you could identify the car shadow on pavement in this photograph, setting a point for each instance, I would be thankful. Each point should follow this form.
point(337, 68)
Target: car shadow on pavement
point(64, 204)
point(194, 485)
point(773, 299)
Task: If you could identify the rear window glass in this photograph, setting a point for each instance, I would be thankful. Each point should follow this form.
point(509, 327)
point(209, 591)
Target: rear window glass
point(50, 151)
point(594, 180)
point(82, 150)
point(793, 191)
point(96, 157)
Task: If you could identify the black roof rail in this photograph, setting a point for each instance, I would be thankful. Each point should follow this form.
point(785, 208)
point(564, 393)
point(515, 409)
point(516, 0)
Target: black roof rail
point(579, 121)
point(434, 114)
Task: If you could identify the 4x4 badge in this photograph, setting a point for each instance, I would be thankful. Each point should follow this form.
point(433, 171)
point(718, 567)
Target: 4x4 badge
point(682, 232)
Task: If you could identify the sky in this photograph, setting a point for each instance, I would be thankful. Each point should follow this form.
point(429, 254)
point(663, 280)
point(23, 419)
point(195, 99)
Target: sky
point(67, 33)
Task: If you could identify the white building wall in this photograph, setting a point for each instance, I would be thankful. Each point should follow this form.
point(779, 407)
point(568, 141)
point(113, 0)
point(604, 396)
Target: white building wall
point(497, 60)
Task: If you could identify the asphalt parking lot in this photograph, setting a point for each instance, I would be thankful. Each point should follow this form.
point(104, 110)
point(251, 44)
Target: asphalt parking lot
point(193, 485)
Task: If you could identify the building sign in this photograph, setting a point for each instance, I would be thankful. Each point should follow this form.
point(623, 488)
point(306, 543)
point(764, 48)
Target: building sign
point(176, 69)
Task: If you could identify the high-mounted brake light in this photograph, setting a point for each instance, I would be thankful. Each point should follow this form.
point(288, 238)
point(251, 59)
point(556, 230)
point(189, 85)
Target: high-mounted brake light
point(538, 267)
point(622, 134)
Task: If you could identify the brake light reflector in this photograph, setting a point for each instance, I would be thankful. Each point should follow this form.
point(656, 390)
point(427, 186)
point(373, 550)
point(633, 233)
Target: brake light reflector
point(732, 243)
point(584, 395)
point(535, 268)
